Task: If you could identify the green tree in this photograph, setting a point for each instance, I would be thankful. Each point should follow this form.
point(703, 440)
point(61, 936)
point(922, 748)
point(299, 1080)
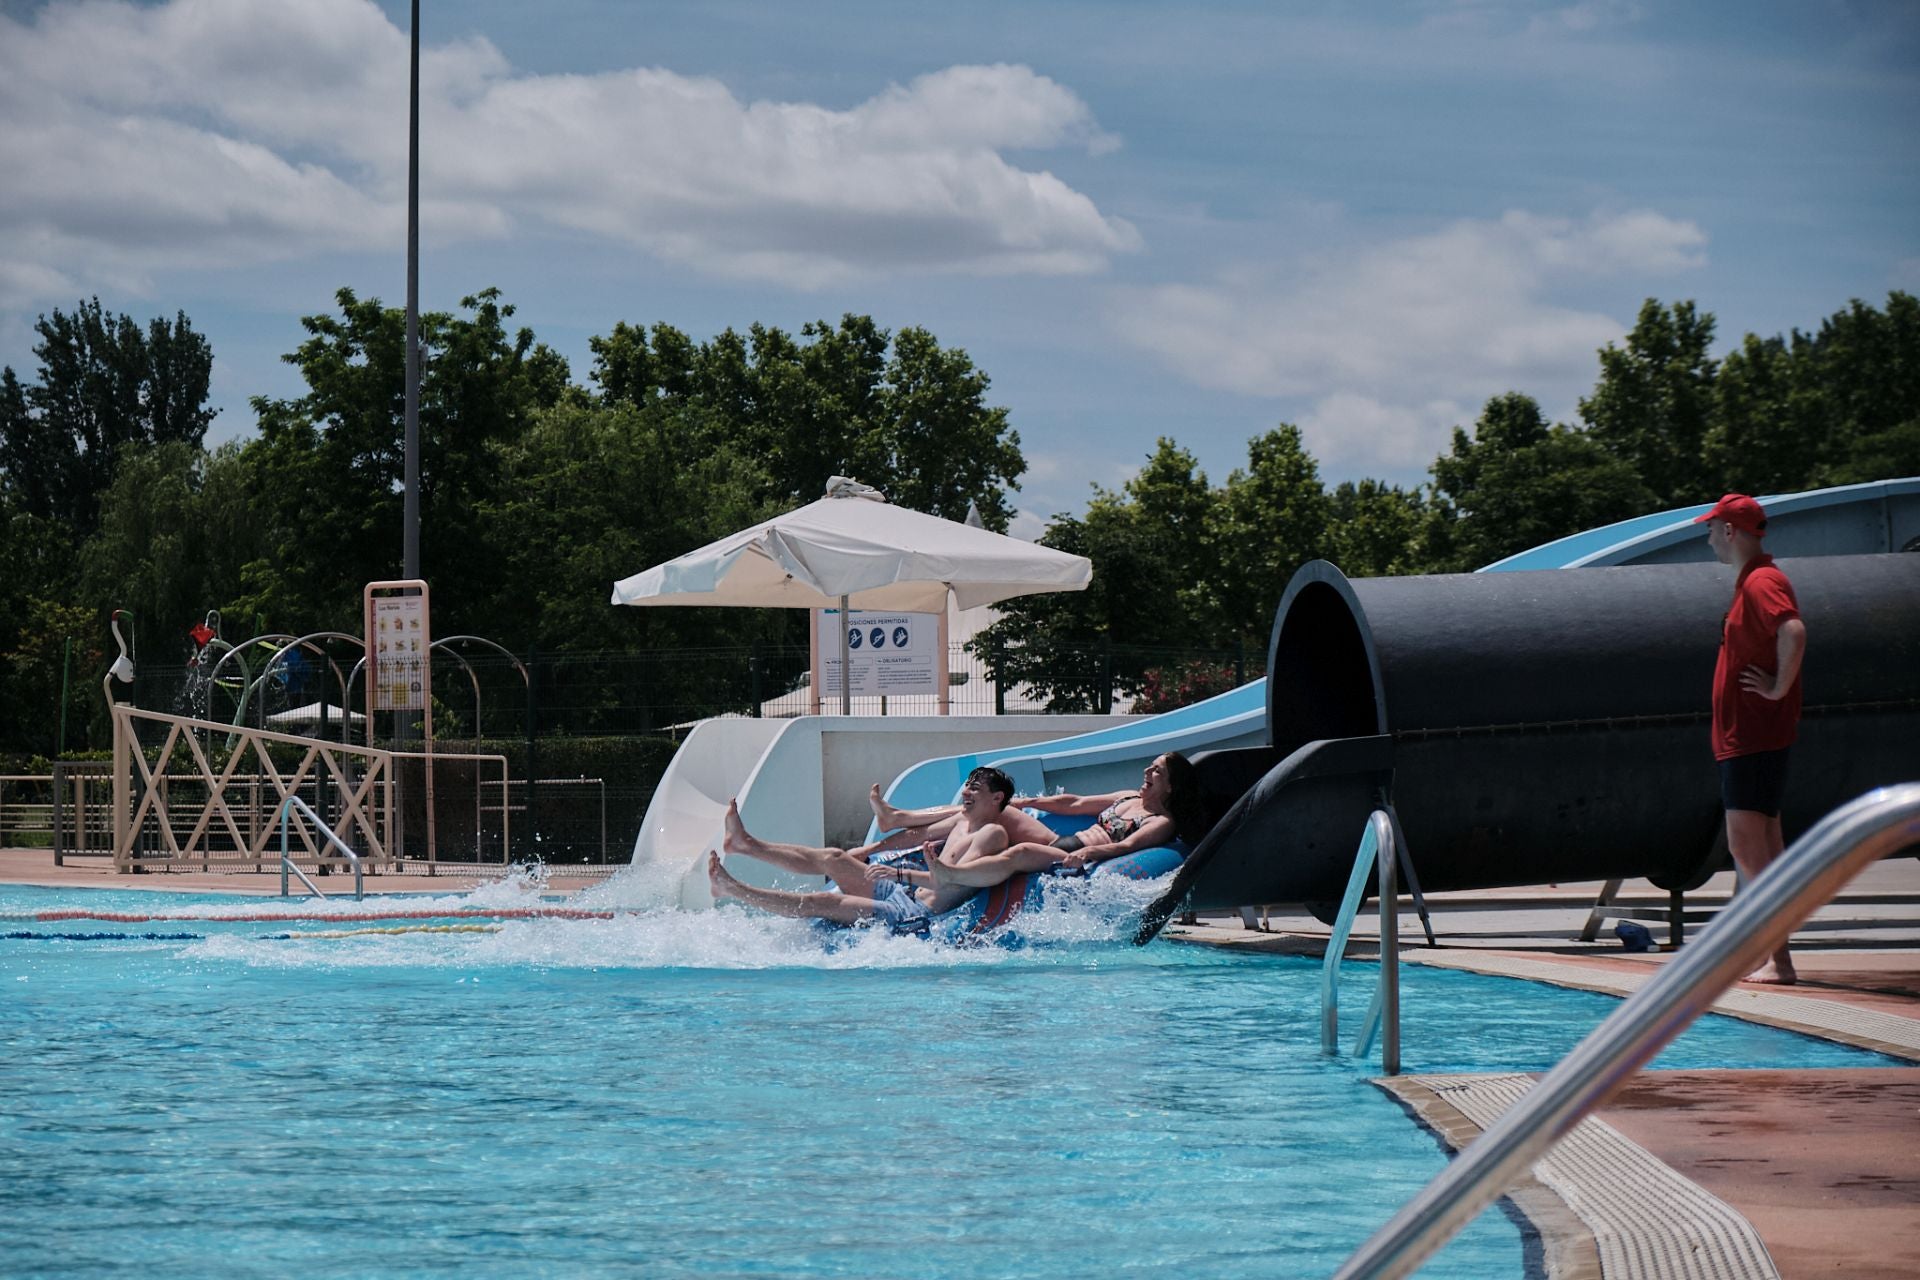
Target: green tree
point(1836, 406)
point(1518, 482)
point(104, 385)
point(328, 467)
point(896, 411)
point(176, 527)
point(1375, 529)
point(1654, 401)
point(1272, 518)
point(1152, 592)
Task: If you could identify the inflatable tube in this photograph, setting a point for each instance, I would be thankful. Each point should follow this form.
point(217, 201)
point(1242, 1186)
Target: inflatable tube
point(988, 916)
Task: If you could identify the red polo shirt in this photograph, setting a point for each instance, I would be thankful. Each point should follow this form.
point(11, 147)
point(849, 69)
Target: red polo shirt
point(1744, 722)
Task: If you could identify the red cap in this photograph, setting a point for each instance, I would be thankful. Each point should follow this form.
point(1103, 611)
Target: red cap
point(1740, 511)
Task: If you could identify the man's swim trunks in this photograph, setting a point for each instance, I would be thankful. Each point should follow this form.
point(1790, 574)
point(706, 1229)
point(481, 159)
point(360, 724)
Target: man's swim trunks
point(896, 904)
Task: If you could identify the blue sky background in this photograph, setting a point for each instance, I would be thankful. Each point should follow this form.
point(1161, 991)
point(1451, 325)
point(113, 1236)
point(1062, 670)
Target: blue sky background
point(1142, 219)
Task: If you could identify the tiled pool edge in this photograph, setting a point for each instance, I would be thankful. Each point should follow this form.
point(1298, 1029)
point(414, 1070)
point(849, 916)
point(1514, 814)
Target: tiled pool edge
point(1602, 1205)
point(1568, 1248)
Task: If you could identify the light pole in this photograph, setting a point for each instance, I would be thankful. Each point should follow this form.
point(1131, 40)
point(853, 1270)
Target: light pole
point(410, 514)
point(411, 561)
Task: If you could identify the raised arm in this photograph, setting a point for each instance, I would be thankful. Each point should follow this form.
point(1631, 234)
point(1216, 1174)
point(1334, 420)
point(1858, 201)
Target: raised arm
point(1070, 805)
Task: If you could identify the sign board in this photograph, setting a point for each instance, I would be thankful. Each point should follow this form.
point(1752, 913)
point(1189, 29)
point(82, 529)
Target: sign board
point(399, 672)
point(892, 654)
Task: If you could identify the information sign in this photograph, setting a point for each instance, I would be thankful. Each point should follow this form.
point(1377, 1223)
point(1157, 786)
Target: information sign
point(892, 654)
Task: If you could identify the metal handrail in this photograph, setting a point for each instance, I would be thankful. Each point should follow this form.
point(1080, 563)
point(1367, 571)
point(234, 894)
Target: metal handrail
point(1763, 916)
point(1376, 846)
point(286, 859)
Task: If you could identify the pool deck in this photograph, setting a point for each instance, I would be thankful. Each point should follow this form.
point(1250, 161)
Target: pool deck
point(1823, 1164)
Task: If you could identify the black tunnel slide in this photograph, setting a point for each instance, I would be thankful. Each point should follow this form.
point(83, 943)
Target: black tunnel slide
point(1537, 727)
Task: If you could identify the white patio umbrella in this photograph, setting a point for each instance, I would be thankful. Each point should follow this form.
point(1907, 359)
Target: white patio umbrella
point(853, 549)
point(314, 713)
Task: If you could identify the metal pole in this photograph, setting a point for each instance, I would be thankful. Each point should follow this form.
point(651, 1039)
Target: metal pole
point(846, 663)
point(411, 516)
point(66, 671)
point(533, 752)
point(1389, 945)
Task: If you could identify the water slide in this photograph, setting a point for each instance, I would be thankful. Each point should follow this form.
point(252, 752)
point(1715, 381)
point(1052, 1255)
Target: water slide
point(802, 781)
point(1108, 759)
point(1530, 727)
point(794, 784)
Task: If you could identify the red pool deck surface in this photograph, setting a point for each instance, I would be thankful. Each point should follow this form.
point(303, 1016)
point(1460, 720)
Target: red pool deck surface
point(1825, 1164)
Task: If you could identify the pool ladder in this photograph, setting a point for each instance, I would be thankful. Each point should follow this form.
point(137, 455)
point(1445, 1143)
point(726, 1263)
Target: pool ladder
point(1376, 853)
point(286, 859)
point(1761, 917)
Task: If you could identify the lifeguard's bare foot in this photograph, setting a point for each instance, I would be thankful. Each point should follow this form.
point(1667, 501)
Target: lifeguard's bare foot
point(1775, 974)
point(719, 879)
point(736, 839)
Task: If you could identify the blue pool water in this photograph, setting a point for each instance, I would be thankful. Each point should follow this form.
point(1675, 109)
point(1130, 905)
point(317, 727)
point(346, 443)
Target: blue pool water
point(714, 1094)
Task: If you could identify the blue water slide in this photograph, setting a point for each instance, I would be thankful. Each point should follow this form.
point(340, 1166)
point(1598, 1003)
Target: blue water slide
point(1850, 519)
point(1092, 763)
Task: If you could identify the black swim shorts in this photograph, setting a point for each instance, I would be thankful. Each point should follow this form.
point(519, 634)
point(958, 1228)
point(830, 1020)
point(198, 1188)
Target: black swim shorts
point(1757, 782)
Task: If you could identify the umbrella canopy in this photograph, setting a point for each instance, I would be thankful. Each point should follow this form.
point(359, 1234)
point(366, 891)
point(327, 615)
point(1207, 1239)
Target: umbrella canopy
point(853, 549)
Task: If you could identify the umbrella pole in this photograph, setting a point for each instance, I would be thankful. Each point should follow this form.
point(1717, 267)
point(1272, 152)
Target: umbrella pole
point(846, 666)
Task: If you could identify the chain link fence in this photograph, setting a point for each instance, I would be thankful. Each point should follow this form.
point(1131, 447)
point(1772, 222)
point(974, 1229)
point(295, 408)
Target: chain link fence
point(587, 736)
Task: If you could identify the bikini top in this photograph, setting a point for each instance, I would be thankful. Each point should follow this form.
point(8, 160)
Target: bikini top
point(1118, 828)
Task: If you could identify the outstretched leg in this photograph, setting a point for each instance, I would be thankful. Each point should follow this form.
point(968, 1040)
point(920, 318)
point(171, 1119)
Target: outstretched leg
point(990, 869)
point(849, 871)
point(892, 819)
point(824, 905)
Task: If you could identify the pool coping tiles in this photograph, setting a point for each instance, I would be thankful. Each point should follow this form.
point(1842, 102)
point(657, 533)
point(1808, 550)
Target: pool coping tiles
point(1603, 1205)
point(1864, 1028)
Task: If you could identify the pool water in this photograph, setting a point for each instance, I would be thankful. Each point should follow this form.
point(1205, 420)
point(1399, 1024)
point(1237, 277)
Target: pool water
point(717, 1094)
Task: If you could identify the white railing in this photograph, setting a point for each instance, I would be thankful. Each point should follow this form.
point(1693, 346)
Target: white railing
point(286, 858)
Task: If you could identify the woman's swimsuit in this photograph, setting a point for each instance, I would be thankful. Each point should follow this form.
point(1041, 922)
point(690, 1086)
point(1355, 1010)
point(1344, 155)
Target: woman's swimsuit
point(1109, 828)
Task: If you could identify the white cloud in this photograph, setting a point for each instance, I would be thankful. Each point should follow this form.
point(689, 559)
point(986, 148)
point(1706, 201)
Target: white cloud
point(223, 132)
point(1384, 348)
point(1028, 525)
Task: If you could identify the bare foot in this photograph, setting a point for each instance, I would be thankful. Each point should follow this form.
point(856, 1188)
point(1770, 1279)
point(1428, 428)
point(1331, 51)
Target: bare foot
point(885, 815)
point(719, 879)
point(736, 839)
point(1775, 973)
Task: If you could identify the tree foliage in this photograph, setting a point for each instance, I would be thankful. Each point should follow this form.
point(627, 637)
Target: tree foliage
point(537, 493)
point(1654, 402)
point(1518, 482)
point(896, 411)
point(105, 385)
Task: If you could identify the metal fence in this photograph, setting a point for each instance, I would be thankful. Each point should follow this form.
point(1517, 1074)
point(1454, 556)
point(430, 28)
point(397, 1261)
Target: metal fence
point(595, 731)
point(485, 696)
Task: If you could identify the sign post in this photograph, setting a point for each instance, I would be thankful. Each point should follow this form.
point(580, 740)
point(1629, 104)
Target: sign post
point(397, 617)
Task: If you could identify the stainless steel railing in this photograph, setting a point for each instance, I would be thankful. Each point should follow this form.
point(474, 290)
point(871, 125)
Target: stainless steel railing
point(1376, 853)
point(286, 859)
point(1762, 916)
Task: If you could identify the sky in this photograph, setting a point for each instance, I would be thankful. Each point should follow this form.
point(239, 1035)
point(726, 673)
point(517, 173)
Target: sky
point(1141, 219)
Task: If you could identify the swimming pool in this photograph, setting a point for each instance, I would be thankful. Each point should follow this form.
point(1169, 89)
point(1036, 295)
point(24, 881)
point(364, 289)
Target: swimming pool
point(666, 1093)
